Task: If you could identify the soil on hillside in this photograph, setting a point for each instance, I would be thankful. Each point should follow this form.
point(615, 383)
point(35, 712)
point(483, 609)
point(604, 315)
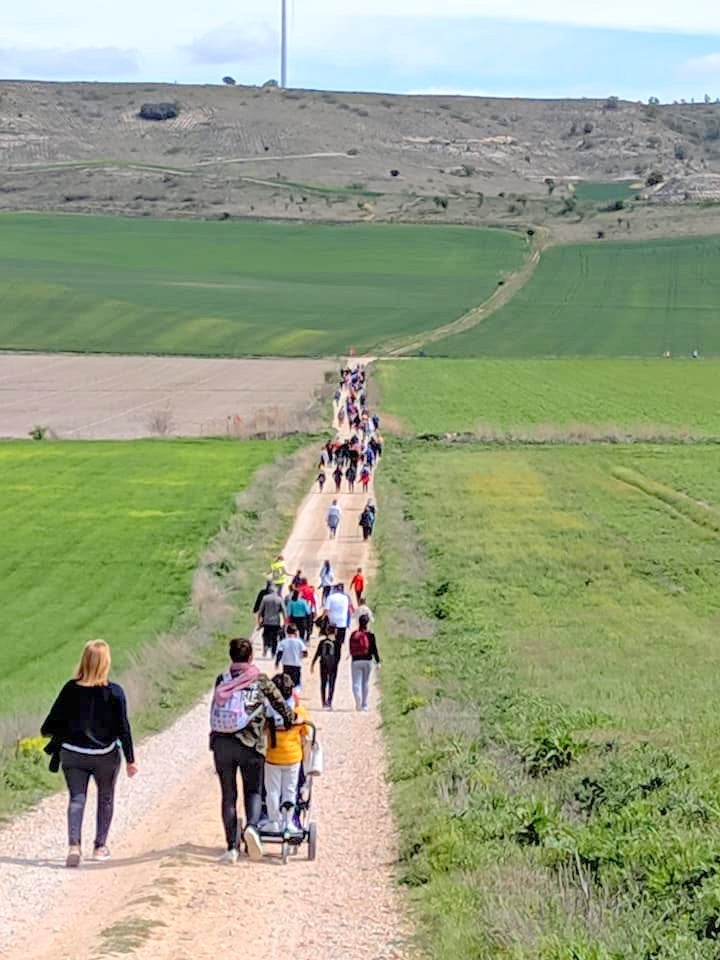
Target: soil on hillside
point(309, 155)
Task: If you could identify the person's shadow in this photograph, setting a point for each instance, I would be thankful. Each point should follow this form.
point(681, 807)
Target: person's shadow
point(183, 851)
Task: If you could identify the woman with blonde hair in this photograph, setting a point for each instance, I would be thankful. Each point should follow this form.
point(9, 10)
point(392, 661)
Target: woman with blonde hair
point(88, 724)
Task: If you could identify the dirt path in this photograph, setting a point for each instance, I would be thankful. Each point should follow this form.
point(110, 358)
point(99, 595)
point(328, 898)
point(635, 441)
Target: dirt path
point(164, 896)
point(513, 283)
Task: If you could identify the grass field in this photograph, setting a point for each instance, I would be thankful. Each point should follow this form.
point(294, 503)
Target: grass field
point(550, 697)
point(140, 286)
point(608, 299)
point(599, 191)
point(438, 395)
point(100, 540)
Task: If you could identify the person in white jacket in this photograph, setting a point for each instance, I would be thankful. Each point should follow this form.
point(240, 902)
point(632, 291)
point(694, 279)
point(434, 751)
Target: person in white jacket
point(334, 515)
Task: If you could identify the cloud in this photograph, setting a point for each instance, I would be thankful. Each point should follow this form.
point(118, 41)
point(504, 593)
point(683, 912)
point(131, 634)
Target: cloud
point(91, 63)
point(706, 67)
point(233, 43)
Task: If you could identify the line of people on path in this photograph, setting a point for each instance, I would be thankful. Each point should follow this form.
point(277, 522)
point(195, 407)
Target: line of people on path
point(259, 728)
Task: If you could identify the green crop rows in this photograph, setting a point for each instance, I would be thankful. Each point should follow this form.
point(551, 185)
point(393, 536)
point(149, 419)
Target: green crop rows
point(470, 395)
point(614, 299)
point(236, 289)
point(100, 540)
point(550, 698)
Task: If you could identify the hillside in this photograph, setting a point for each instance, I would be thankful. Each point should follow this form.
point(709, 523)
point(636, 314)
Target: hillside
point(249, 151)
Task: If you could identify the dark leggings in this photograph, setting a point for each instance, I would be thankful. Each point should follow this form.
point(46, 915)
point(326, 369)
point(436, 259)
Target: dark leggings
point(328, 676)
point(271, 632)
point(78, 768)
point(230, 756)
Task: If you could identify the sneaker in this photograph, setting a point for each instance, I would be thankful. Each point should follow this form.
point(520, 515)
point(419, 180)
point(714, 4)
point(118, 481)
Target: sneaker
point(365, 709)
point(74, 857)
point(230, 856)
point(253, 843)
point(101, 853)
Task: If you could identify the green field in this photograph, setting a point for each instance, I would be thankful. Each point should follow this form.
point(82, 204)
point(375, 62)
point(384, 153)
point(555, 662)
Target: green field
point(211, 288)
point(551, 681)
point(605, 191)
point(435, 396)
point(100, 540)
point(607, 299)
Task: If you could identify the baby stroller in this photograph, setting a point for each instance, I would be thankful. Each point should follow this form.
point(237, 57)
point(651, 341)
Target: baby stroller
point(297, 828)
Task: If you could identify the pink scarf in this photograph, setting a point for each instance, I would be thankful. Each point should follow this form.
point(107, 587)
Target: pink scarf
point(243, 675)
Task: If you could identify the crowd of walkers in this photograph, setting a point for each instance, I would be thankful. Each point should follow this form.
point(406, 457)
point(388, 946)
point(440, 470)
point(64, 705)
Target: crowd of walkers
point(259, 727)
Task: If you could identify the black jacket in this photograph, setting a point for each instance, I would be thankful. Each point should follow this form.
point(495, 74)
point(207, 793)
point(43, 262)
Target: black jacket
point(92, 718)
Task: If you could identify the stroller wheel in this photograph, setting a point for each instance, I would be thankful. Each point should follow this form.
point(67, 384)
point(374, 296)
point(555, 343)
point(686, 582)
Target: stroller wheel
point(312, 841)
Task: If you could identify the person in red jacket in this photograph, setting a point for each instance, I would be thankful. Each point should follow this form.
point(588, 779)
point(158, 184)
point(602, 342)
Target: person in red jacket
point(307, 592)
point(358, 584)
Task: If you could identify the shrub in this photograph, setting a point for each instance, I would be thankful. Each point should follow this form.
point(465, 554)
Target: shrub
point(550, 748)
point(612, 103)
point(38, 432)
point(588, 127)
point(680, 151)
point(441, 202)
point(160, 423)
point(654, 178)
point(158, 111)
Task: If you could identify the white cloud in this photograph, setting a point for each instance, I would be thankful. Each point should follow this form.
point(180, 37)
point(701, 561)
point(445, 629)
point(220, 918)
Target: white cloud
point(703, 68)
point(233, 43)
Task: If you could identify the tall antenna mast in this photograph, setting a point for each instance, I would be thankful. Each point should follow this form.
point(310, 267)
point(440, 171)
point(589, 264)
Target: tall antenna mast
point(283, 46)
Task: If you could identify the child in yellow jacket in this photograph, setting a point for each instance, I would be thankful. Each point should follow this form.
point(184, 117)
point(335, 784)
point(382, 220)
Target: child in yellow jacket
point(283, 759)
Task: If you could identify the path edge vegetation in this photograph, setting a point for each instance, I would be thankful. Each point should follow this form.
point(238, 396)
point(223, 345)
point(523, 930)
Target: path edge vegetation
point(526, 830)
point(168, 674)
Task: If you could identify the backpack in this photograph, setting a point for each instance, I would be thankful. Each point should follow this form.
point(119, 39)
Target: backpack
point(232, 716)
point(328, 654)
point(359, 643)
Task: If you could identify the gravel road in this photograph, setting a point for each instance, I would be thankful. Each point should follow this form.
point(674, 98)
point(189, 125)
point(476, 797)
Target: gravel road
point(164, 896)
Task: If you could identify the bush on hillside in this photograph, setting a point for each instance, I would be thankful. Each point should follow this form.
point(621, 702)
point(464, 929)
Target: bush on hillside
point(159, 111)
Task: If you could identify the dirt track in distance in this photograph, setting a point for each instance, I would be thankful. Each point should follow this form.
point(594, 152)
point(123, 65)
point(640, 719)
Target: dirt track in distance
point(121, 398)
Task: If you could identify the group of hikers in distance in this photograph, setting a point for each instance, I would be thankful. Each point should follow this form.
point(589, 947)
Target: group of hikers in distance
point(258, 726)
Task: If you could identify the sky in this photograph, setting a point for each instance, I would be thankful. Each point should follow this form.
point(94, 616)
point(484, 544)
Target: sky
point(634, 49)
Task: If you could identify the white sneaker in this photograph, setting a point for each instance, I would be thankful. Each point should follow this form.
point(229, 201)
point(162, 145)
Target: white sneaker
point(253, 843)
point(269, 826)
point(101, 853)
point(230, 856)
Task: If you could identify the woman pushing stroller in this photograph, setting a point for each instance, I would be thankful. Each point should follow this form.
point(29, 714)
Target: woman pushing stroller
point(242, 700)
